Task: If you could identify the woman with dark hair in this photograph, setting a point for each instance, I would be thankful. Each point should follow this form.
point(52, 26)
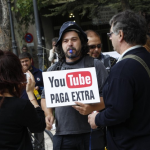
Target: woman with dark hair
point(17, 115)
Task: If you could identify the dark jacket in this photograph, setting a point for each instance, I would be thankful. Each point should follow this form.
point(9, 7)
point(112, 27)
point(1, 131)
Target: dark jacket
point(16, 117)
point(38, 79)
point(108, 61)
point(126, 95)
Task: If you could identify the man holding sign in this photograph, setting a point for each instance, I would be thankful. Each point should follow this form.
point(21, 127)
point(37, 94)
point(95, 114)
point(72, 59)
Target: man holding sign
point(72, 128)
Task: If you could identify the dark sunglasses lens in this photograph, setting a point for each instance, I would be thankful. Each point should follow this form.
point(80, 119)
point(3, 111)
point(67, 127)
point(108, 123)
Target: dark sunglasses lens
point(99, 46)
point(92, 46)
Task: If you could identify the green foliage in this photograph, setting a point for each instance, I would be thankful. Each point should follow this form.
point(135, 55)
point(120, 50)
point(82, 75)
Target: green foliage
point(25, 14)
point(84, 7)
point(140, 5)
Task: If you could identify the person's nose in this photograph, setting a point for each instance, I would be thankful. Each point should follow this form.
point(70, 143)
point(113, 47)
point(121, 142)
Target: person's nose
point(96, 49)
point(24, 63)
point(110, 38)
point(70, 43)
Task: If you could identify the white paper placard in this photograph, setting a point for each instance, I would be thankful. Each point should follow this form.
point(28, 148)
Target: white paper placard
point(64, 87)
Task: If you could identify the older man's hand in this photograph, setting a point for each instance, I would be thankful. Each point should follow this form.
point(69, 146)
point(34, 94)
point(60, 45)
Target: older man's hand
point(91, 120)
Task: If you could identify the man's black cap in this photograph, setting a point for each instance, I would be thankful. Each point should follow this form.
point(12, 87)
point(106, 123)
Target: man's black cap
point(70, 25)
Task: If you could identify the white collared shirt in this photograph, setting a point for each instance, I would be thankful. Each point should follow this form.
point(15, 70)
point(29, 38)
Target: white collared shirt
point(129, 49)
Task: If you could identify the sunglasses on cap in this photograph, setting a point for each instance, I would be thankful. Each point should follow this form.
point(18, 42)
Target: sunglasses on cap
point(94, 46)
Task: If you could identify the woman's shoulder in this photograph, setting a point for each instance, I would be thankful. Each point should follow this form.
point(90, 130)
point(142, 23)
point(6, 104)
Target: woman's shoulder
point(15, 102)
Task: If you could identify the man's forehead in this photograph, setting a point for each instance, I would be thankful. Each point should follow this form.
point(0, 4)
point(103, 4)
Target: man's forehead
point(23, 59)
point(94, 39)
point(70, 34)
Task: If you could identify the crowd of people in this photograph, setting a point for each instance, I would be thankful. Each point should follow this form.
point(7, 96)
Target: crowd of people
point(120, 121)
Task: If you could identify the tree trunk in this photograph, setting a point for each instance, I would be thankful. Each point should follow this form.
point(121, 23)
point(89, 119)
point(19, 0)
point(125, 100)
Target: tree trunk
point(125, 4)
point(4, 26)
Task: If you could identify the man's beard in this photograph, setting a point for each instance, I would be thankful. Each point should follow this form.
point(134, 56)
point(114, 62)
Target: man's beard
point(97, 55)
point(73, 53)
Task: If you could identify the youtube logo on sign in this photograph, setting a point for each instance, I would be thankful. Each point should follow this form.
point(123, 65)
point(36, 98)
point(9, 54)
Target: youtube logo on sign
point(79, 79)
point(64, 88)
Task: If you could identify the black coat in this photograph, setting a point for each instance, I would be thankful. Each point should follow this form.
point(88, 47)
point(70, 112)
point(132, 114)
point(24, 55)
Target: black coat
point(16, 115)
point(127, 100)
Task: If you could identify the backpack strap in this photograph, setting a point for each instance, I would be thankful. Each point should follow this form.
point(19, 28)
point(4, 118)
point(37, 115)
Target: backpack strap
point(112, 61)
point(140, 60)
point(56, 66)
point(107, 61)
point(88, 61)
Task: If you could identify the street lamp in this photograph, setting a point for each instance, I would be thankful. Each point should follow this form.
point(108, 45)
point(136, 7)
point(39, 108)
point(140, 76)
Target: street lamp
point(39, 37)
point(14, 47)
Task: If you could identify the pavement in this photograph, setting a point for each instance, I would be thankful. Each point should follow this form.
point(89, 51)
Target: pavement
point(48, 141)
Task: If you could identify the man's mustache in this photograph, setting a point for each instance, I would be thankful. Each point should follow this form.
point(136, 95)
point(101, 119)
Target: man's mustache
point(71, 48)
point(25, 65)
point(96, 53)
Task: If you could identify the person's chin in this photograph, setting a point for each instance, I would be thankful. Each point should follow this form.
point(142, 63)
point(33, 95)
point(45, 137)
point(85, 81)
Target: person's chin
point(25, 68)
point(95, 56)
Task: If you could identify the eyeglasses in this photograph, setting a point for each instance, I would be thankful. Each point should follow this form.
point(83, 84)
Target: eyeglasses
point(94, 46)
point(109, 34)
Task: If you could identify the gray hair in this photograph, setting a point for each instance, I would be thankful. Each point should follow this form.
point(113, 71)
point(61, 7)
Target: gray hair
point(133, 26)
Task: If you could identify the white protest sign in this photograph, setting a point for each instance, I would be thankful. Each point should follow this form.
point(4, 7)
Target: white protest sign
point(64, 87)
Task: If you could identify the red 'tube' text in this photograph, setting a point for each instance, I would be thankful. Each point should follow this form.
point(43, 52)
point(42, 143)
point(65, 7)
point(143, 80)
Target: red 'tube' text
point(79, 79)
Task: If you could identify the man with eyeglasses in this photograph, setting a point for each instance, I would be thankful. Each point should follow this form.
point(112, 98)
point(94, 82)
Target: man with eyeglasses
point(95, 48)
point(126, 91)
